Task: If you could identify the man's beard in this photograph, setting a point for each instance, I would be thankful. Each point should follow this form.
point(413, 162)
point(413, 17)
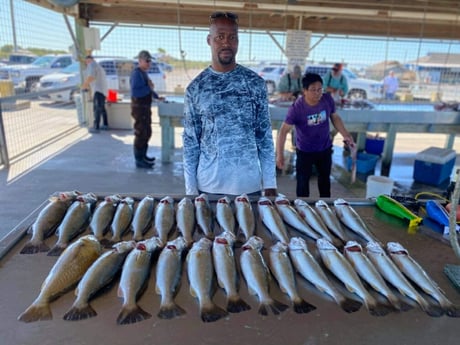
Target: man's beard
point(227, 60)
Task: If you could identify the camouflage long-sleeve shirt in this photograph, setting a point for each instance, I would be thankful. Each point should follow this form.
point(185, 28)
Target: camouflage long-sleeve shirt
point(227, 139)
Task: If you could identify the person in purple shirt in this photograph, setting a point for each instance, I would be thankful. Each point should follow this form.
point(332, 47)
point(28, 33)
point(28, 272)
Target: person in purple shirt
point(310, 115)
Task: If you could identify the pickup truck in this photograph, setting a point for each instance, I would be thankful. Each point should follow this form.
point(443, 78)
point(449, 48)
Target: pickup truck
point(26, 77)
point(358, 88)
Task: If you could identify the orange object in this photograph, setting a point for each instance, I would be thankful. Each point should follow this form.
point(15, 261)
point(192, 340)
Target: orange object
point(112, 96)
point(458, 211)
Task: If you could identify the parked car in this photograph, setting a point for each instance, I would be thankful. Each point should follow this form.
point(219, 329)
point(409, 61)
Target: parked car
point(358, 88)
point(68, 78)
point(272, 75)
point(26, 77)
point(118, 71)
point(21, 58)
point(157, 76)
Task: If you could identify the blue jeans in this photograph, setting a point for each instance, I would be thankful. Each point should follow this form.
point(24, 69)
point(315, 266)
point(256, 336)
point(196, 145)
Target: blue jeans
point(99, 110)
point(304, 165)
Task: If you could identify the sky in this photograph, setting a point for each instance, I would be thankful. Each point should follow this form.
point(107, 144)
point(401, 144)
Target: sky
point(51, 32)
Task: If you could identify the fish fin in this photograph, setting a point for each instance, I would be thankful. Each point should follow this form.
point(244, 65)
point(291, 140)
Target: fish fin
point(350, 305)
point(303, 307)
point(33, 248)
point(76, 314)
point(170, 311)
point(212, 313)
point(237, 304)
point(57, 250)
point(36, 313)
point(379, 310)
point(433, 311)
point(452, 311)
point(406, 306)
point(132, 315)
point(276, 307)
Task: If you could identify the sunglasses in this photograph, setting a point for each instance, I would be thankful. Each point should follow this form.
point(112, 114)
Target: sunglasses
point(148, 60)
point(232, 16)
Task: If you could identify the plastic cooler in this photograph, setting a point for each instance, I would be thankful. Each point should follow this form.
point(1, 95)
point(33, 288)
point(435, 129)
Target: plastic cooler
point(365, 163)
point(434, 165)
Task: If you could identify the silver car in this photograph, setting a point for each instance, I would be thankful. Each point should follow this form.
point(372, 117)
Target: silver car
point(68, 80)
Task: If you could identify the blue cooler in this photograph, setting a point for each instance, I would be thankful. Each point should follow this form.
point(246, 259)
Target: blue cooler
point(434, 165)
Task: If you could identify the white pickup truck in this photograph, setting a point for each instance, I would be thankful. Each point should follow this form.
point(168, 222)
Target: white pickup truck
point(26, 77)
point(358, 88)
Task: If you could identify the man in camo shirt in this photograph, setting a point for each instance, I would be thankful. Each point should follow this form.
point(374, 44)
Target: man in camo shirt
point(227, 139)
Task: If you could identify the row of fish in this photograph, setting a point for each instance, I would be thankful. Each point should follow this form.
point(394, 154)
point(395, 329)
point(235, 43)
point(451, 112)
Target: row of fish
point(85, 264)
point(71, 213)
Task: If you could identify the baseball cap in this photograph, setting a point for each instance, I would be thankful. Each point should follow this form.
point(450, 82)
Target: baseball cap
point(145, 55)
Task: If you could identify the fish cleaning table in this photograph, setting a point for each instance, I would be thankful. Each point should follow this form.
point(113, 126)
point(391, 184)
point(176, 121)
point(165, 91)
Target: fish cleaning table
point(22, 276)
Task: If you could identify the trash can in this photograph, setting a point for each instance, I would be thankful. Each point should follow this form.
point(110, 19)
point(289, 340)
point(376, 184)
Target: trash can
point(79, 106)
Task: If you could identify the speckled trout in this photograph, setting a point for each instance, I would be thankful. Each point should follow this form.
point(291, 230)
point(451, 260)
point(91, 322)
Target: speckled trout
point(204, 215)
point(348, 216)
point(164, 218)
point(185, 219)
point(314, 220)
point(63, 276)
point(393, 275)
point(304, 262)
point(74, 223)
point(134, 279)
point(293, 218)
point(103, 216)
point(342, 269)
point(353, 252)
point(168, 277)
point(245, 216)
point(121, 221)
point(272, 219)
point(281, 267)
point(257, 276)
point(200, 273)
point(419, 276)
point(48, 220)
point(225, 268)
point(329, 218)
point(100, 274)
point(143, 217)
point(224, 215)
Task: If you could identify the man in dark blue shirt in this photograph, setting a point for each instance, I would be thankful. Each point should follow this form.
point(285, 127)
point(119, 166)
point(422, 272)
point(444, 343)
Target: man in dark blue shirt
point(141, 103)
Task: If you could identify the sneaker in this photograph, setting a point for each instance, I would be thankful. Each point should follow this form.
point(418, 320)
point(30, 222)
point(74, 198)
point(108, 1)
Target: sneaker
point(93, 130)
point(104, 127)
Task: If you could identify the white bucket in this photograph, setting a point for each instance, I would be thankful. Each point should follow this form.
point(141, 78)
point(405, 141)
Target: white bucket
point(377, 185)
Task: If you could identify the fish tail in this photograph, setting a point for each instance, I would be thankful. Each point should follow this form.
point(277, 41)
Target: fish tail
point(79, 313)
point(33, 248)
point(302, 307)
point(211, 313)
point(170, 311)
point(406, 306)
point(378, 309)
point(452, 311)
point(57, 250)
point(432, 310)
point(130, 315)
point(350, 305)
point(36, 312)
point(273, 305)
point(237, 304)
